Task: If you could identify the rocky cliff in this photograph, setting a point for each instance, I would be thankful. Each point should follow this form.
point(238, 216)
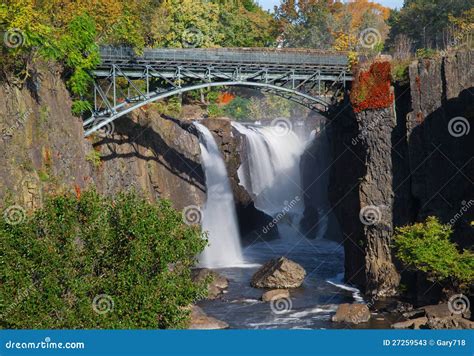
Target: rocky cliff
point(401, 163)
point(43, 149)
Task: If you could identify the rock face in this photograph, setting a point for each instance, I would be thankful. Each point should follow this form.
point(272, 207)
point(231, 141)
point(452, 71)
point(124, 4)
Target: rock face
point(275, 294)
point(399, 165)
point(43, 149)
point(279, 273)
point(216, 286)
point(201, 321)
point(352, 313)
point(437, 316)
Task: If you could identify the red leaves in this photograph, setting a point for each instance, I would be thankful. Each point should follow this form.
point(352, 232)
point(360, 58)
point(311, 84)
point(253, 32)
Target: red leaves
point(371, 89)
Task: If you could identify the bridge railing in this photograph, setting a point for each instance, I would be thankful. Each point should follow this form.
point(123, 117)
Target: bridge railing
point(247, 56)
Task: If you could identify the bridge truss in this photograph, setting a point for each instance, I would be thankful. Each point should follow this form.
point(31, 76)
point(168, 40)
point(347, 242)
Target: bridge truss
point(310, 78)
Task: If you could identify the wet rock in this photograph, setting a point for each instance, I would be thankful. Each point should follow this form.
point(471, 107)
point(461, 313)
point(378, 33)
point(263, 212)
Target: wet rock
point(411, 324)
point(449, 323)
point(440, 317)
point(275, 294)
point(352, 313)
point(437, 316)
point(279, 273)
point(414, 314)
point(216, 286)
point(201, 321)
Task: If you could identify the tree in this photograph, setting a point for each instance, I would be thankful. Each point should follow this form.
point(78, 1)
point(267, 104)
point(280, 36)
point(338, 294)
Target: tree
point(427, 22)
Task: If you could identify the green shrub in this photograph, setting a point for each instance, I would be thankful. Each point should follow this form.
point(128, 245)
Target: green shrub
point(214, 110)
point(426, 53)
point(400, 72)
point(238, 108)
point(427, 247)
point(77, 257)
point(94, 158)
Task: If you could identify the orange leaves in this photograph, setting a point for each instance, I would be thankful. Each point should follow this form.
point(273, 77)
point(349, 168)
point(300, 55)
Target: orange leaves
point(225, 98)
point(371, 89)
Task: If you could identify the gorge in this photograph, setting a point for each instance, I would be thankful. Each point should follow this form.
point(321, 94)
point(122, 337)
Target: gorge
point(401, 161)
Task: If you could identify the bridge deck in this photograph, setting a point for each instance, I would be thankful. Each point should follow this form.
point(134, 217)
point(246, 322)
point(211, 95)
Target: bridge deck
point(225, 58)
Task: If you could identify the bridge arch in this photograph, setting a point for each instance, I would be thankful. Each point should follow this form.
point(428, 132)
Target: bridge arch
point(294, 74)
point(95, 123)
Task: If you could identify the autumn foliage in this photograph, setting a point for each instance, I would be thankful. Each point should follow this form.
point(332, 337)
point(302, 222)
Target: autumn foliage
point(225, 98)
point(371, 89)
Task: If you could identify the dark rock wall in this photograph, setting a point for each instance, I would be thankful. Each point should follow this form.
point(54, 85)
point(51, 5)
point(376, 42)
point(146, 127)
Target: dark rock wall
point(43, 150)
point(405, 162)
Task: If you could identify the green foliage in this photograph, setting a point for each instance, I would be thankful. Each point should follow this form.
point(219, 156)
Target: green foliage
point(171, 107)
point(94, 158)
point(427, 22)
point(427, 247)
point(400, 72)
point(214, 110)
point(73, 250)
point(238, 108)
point(80, 106)
point(425, 53)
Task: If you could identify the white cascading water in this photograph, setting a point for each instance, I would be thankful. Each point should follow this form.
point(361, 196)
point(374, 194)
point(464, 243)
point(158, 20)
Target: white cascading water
point(271, 173)
point(219, 218)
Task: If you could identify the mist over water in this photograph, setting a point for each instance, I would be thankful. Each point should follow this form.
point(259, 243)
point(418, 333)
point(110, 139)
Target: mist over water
point(219, 218)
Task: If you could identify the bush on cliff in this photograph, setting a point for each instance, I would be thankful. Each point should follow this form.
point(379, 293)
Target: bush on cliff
point(427, 247)
point(88, 261)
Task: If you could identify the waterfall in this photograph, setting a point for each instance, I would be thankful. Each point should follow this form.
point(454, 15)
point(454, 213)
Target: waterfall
point(271, 170)
point(219, 218)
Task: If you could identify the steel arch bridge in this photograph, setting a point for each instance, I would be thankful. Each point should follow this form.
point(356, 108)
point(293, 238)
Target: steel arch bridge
point(309, 77)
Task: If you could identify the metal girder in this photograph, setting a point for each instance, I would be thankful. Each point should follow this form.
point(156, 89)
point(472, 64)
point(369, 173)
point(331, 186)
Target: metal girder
point(296, 83)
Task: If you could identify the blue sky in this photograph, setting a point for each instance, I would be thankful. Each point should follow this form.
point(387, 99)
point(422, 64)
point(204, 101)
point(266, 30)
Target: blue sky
point(269, 4)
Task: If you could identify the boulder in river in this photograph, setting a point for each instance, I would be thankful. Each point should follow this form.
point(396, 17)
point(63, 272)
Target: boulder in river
point(216, 286)
point(279, 273)
point(275, 294)
point(352, 313)
point(201, 321)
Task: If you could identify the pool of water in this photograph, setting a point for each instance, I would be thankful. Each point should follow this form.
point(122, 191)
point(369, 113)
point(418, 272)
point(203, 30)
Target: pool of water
point(310, 307)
